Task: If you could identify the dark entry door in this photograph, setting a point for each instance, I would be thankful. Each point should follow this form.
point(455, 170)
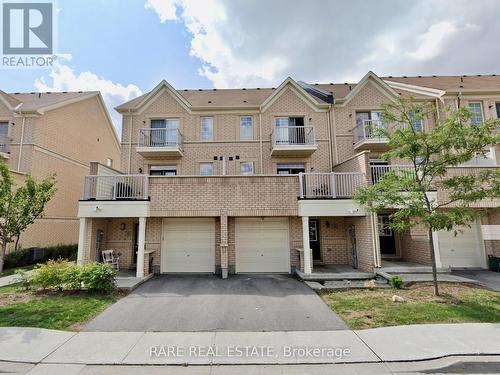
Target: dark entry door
point(354, 250)
point(314, 238)
point(386, 236)
point(136, 241)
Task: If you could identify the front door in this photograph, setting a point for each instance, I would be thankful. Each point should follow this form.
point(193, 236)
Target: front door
point(354, 250)
point(314, 238)
point(386, 236)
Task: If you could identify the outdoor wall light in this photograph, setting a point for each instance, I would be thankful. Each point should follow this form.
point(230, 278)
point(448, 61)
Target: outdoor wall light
point(122, 226)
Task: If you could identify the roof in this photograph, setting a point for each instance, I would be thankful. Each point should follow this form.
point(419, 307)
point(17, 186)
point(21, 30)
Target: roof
point(13, 102)
point(38, 100)
point(452, 83)
point(257, 96)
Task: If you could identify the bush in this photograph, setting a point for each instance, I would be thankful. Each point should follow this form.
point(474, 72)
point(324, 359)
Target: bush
point(396, 282)
point(98, 277)
point(26, 257)
point(61, 274)
point(51, 275)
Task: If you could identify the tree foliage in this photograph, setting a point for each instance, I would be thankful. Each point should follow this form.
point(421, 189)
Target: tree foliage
point(432, 154)
point(20, 205)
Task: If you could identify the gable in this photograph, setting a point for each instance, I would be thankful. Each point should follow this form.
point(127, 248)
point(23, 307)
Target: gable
point(163, 102)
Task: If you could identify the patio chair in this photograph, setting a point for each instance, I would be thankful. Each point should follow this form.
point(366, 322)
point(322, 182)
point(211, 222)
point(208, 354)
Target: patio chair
point(109, 257)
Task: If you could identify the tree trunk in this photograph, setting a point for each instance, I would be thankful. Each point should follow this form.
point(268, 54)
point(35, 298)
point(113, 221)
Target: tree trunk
point(17, 242)
point(3, 249)
point(433, 261)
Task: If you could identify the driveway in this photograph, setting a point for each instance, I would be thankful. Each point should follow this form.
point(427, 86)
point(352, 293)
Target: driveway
point(488, 279)
point(208, 303)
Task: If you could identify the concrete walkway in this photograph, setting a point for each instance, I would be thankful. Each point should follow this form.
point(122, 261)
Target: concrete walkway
point(380, 345)
point(12, 279)
point(488, 279)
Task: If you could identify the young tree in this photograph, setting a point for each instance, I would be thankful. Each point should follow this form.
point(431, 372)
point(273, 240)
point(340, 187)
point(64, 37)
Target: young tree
point(20, 207)
point(453, 141)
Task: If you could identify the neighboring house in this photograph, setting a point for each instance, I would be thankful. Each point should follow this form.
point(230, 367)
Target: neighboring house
point(261, 180)
point(45, 133)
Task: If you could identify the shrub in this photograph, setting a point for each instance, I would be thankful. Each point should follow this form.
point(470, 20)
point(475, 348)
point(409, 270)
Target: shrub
point(98, 277)
point(61, 274)
point(25, 278)
point(50, 275)
point(26, 257)
point(396, 282)
point(73, 277)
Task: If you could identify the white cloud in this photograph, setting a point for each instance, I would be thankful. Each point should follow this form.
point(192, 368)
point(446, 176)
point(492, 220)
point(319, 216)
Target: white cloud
point(164, 8)
point(256, 43)
point(63, 78)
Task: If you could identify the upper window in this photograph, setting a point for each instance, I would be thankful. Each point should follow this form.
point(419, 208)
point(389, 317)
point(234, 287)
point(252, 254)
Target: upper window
point(164, 132)
point(206, 169)
point(4, 136)
point(109, 162)
point(246, 168)
point(290, 168)
point(416, 123)
point(477, 113)
point(246, 128)
point(163, 170)
point(207, 129)
point(497, 105)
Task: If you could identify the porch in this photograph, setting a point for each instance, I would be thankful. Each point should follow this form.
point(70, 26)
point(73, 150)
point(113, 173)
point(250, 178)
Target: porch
point(334, 272)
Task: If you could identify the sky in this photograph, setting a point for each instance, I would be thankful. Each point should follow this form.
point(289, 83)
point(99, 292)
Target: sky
point(124, 48)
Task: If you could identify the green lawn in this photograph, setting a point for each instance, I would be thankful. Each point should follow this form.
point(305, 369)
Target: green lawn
point(11, 271)
point(53, 311)
point(374, 308)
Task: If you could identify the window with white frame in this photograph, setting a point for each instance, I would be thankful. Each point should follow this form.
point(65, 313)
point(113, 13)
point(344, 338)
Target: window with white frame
point(477, 113)
point(206, 169)
point(163, 170)
point(109, 162)
point(246, 128)
point(416, 122)
point(207, 129)
point(4, 136)
point(246, 167)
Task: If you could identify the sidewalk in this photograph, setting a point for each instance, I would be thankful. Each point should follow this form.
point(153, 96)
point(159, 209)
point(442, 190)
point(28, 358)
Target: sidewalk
point(391, 344)
point(12, 279)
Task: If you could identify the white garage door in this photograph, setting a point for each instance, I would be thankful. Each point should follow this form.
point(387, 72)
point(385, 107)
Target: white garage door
point(463, 250)
point(188, 245)
point(262, 245)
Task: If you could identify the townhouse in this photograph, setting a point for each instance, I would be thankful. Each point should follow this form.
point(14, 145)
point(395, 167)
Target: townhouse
point(261, 180)
point(61, 133)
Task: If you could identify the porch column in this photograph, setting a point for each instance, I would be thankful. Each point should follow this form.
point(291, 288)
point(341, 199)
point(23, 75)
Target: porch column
point(223, 245)
point(305, 245)
point(140, 247)
point(82, 236)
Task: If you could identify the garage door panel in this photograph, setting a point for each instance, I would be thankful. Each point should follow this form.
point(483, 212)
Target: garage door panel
point(262, 245)
point(463, 250)
point(188, 245)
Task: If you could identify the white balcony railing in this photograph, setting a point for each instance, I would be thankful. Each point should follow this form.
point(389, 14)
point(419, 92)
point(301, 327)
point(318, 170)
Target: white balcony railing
point(4, 144)
point(378, 171)
point(169, 138)
point(293, 136)
point(369, 129)
point(116, 187)
point(330, 185)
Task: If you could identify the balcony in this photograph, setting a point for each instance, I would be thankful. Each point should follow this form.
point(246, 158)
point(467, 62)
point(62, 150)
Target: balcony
point(330, 194)
point(106, 196)
point(368, 136)
point(377, 171)
point(4, 145)
point(293, 141)
point(159, 143)
point(330, 185)
point(115, 188)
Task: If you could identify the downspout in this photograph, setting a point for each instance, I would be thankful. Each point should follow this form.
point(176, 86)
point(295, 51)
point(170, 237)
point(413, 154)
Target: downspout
point(330, 153)
point(21, 145)
point(261, 144)
point(130, 142)
point(437, 109)
point(334, 135)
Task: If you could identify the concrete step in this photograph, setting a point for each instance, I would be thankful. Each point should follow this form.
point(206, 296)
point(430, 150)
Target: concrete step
point(332, 276)
point(411, 269)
